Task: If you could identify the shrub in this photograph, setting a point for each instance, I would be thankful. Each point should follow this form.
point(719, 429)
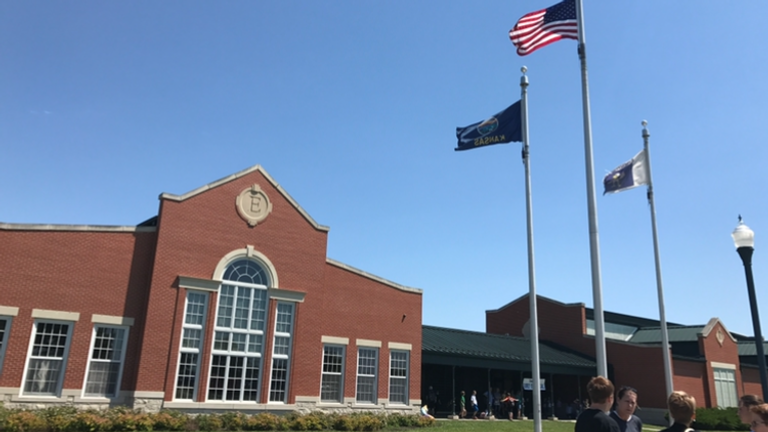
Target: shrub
point(209, 422)
point(721, 419)
point(261, 422)
point(124, 419)
point(169, 421)
point(24, 421)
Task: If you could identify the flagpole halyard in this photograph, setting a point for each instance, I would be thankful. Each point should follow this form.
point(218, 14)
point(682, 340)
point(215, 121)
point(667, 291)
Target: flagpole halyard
point(533, 320)
point(594, 244)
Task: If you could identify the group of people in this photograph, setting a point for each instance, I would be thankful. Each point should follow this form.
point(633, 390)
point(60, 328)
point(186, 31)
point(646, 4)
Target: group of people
point(682, 409)
point(496, 405)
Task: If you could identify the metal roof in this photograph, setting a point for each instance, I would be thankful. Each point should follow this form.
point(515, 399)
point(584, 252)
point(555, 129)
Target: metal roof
point(675, 334)
point(453, 342)
point(749, 348)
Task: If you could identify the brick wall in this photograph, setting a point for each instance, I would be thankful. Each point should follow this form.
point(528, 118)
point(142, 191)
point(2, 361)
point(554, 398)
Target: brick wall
point(104, 273)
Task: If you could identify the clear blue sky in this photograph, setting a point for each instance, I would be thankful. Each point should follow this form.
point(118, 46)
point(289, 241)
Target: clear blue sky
point(352, 106)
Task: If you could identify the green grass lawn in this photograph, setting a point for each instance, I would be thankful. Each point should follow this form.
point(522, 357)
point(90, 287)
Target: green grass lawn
point(509, 426)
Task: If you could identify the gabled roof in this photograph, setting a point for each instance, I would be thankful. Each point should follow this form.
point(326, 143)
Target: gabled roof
point(629, 320)
point(674, 333)
point(370, 276)
point(442, 340)
point(236, 176)
point(539, 297)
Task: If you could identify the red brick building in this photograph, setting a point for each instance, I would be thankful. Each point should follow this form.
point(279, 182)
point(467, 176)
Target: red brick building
point(710, 363)
point(224, 300)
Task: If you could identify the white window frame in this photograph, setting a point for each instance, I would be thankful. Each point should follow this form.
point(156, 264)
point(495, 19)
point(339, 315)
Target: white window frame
point(63, 359)
point(324, 373)
point(91, 360)
point(191, 350)
point(282, 356)
point(4, 338)
point(725, 387)
point(375, 376)
point(406, 378)
point(246, 355)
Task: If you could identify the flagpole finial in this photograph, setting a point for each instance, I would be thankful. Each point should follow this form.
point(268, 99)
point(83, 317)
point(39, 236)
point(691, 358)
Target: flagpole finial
point(740, 221)
point(523, 70)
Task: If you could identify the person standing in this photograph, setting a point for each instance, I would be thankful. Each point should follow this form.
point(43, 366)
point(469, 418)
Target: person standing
point(594, 418)
point(462, 405)
point(473, 402)
point(682, 409)
point(745, 403)
point(759, 417)
point(624, 415)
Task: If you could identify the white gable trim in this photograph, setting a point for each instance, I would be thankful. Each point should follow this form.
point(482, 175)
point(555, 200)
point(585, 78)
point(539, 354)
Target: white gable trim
point(357, 271)
point(236, 176)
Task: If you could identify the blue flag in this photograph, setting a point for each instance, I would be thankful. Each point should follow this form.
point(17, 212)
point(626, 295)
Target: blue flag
point(504, 127)
point(627, 175)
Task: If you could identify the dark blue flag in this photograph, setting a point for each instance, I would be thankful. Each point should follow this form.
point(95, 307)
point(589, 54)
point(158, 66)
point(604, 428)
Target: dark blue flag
point(504, 127)
point(627, 175)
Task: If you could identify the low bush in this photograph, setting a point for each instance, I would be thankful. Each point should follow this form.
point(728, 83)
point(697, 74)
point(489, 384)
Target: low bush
point(720, 419)
point(122, 419)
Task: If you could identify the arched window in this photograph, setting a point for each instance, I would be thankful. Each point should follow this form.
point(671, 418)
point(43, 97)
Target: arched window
point(238, 341)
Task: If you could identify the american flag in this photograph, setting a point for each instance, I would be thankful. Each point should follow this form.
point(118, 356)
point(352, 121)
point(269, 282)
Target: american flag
point(541, 28)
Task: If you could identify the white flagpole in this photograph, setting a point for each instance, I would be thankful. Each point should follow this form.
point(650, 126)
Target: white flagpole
point(594, 244)
point(662, 317)
point(534, 320)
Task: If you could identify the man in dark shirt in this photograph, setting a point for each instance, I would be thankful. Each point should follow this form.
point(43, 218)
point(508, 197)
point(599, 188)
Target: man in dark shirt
point(624, 415)
point(594, 418)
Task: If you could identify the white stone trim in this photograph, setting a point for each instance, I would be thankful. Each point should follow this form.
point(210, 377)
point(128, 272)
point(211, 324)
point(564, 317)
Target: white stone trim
point(334, 340)
point(723, 365)
point(9, 311)
point(113, 320)
point(92, 228)
point(149, 394)
point(247, 252)
point(286, 295)
point(312, 399)
point(55, 315)
point(198, 284)
point(234, 406)
point(242, 173)
point(381, 280)
point(368, 343)
point(400, 346)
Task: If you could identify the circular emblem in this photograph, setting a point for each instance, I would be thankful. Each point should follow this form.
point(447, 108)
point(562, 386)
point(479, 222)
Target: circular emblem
point(253, 205)
point(720, 336)
point(488, 126)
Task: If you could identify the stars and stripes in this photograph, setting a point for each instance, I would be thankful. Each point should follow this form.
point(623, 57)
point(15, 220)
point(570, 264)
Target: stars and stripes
point(541, 28)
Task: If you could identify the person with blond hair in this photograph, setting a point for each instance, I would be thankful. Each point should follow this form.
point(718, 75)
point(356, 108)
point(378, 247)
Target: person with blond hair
point(682, 409)
point(746, 402)
point(759, 417)
point(594, 418)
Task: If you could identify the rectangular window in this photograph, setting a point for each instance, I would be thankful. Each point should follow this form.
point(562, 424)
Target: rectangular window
point(367, 366)
point(5, 330)
point(237, 344)
point(332, 384)
point(191, 344)
point(47, 358)
point(725, 386)
point(106, 363)
point(281, 353)
point(398, 377)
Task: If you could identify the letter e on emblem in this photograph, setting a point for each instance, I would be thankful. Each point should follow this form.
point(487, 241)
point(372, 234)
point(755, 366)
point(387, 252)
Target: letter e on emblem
point(253, 205)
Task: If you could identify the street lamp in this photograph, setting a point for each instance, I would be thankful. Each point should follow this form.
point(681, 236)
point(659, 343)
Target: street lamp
point(744, 238)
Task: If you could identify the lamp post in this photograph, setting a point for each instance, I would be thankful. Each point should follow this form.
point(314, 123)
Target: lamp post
point(744, 238)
